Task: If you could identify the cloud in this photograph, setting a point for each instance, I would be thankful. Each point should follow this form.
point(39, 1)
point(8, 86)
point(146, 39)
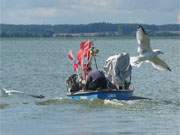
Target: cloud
point(87, 11)
point(178, 18)
point(43, 12)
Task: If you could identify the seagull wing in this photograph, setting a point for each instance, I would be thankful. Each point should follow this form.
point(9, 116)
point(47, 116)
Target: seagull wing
point(159, 64)
point(135, 61)
point(15, 92)
point(143, 42)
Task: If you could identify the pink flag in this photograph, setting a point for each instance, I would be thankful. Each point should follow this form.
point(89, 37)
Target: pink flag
point(71, 57)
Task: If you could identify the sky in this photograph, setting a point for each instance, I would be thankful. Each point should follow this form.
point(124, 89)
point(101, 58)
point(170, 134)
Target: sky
point(89, 11)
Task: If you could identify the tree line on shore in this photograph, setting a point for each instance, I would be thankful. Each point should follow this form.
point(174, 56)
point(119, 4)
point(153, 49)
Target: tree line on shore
point(93, 29)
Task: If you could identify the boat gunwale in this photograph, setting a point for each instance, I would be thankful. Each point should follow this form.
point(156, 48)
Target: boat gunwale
point(81, 92)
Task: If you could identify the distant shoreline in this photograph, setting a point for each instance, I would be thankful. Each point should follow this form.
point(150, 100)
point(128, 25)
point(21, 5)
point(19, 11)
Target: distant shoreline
point(87, 30)
point(95, 37)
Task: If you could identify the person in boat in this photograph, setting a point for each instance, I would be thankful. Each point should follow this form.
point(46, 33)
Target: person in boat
point(83, 62)
point(96, 80)
point(82, 80)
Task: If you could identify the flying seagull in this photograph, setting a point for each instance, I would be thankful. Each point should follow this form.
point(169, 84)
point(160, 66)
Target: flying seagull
point(146, 54)
point(5, 93)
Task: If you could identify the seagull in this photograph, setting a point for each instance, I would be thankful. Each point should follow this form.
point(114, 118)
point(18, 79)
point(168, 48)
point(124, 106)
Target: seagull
point(146, 54)
point(5, 93)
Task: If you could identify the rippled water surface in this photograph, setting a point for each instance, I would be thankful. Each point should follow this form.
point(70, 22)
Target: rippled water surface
point(40, 66)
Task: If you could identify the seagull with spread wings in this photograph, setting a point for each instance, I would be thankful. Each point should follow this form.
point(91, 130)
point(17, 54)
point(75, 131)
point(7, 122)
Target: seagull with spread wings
point(146, 54)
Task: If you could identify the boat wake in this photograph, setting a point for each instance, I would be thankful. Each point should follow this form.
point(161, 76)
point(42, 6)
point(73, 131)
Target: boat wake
point(55, 101)
point(88, 103)
point(120, 103)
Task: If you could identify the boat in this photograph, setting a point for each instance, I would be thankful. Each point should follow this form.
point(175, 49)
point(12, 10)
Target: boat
point(102, 95)
point(117, 73)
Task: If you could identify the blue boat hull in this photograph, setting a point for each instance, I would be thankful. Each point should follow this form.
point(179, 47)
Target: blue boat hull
point(109, 95)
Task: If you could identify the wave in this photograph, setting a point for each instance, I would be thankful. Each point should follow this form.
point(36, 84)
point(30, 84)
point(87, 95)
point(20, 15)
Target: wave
point(4, 105)
point(89, 103)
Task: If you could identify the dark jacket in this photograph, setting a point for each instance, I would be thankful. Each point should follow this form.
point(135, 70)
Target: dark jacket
point(96, 80)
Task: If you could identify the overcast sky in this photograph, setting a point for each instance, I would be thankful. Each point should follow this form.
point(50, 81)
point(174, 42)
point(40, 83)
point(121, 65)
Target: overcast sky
point(89, 11)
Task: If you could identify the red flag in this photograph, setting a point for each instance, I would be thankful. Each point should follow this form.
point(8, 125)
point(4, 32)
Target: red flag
point(83, 56)
point(84, 52)
point(75, 66)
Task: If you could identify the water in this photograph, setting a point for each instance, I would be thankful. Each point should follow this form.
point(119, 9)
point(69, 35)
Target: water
point(40, 66)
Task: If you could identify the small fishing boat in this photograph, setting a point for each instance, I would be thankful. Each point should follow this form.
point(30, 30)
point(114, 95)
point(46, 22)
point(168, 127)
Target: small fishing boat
point(114, 82)
point(102, 94)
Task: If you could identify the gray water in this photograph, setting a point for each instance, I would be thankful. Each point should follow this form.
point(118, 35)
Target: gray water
point(40, 66)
